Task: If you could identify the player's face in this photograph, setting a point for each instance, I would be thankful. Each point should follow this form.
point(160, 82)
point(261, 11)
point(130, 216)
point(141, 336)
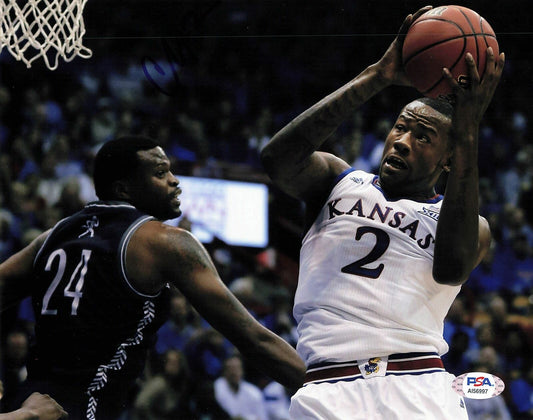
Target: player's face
point(154, 189)
point(416, 152)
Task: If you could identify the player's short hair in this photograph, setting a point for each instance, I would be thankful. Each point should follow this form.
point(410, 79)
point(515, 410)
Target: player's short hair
point(116, 160)
point(443, 106)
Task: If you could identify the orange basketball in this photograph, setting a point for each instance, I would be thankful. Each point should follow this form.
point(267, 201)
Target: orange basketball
point(441, 37)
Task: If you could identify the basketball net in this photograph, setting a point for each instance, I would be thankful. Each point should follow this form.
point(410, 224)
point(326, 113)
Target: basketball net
point(43, 28)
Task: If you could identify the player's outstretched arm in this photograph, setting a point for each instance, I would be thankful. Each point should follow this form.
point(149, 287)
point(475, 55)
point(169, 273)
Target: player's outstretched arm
point(37, 407)
point(161, 254)
point(291, 158)
point(16, 273)
point(463, 236)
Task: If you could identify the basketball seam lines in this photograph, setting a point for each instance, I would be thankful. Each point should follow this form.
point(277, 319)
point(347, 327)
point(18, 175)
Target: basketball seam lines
point(451, 67)
point(485, 35)
point(473, 30)
point(483, 32)
point(462, 36)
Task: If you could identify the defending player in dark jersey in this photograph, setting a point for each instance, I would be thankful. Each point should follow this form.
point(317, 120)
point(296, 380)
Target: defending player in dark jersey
point(98, 281)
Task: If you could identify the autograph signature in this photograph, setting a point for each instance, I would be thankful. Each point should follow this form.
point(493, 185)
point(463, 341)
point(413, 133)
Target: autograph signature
point(164, 75)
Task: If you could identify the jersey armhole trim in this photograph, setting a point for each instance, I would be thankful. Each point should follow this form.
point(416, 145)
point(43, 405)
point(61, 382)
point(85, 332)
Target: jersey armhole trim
point(46, 240)
point(339, 177)
point(122, 248)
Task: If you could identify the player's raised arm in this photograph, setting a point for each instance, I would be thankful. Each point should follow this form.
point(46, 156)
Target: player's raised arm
point(291, 158)
point(158, 254)
point(462, 236)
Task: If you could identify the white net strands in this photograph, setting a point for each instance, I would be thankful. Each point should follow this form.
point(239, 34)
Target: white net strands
point(50, 29)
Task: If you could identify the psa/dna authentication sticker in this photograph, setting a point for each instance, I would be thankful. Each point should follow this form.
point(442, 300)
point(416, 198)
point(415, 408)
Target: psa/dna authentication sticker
point(478, 385)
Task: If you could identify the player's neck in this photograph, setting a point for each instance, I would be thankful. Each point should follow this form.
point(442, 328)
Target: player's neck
point(415, 195)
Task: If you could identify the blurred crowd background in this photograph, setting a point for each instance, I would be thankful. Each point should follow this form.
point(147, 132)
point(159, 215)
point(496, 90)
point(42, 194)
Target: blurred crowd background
point(213, 81)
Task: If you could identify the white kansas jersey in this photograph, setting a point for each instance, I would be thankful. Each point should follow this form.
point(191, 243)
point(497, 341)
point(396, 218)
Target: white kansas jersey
point(366, 287)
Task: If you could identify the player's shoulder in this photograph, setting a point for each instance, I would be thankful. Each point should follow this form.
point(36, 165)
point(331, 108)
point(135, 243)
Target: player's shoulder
point(357, 175)
point(159, 237)
point(158, 253)
point(351, 176)
point(158, 231)
point(41, 239)
point(485, 234)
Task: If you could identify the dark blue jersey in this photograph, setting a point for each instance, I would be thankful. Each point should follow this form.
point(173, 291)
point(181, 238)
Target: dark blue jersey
point(93, 329)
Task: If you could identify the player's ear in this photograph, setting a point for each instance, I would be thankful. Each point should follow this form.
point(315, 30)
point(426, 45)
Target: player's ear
point(447, 162)
point(121, 190)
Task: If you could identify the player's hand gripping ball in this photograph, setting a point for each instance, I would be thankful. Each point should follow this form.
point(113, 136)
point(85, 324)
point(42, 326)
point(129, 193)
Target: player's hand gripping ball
point(440, 38)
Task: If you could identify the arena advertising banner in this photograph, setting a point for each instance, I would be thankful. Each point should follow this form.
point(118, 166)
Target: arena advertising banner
point(233, 211)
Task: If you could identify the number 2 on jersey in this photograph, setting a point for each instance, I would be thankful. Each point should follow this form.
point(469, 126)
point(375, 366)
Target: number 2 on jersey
point(382, 243)
point(76, 279)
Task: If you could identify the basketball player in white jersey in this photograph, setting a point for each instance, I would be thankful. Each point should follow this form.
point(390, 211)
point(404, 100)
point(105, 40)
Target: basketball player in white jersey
point(384, 255)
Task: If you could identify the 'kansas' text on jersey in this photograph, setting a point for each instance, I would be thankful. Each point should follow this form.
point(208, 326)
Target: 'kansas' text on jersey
point(365, 287)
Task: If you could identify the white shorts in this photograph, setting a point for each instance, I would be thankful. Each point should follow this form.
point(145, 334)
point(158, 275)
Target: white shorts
point(415, 397)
